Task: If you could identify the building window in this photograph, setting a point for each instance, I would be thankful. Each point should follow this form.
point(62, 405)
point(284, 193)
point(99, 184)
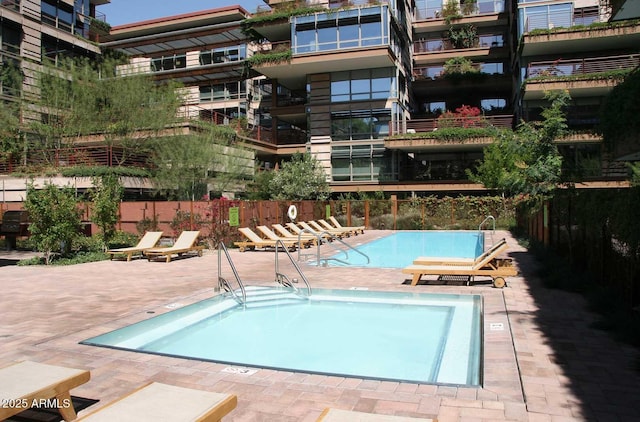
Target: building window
point(368, 84)
point(491, 40)
point(353, 163)
point(360, 124)
point(338, 30)
point(174, 61)
point(223, 91)
point(57, 14)
point(223, 55)
point(492, 68)
point(493, 104)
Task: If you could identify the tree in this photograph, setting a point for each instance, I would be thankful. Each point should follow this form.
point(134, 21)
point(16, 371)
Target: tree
point(301, 178)
point(79, 98)
point(106, 197)
point(187, 166)
point(526, 161)
point(54, 218)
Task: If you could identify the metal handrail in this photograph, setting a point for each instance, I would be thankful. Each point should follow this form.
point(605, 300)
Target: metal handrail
point(337, 239)
point(489, 217)
point(223, 283)
point(282, 278)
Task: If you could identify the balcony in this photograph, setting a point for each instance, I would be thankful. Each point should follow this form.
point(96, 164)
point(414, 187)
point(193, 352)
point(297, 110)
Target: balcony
point(484, 14)
point(554, 39)
point(442, 49)
point(291, 71)
point(582, 77)
point(448, 134)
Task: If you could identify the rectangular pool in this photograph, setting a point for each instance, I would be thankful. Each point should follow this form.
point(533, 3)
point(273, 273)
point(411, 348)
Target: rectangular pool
point(414, 337)
point(399, 249)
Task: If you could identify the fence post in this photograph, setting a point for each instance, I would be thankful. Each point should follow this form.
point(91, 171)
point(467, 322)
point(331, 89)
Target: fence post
point(366, 213)
point(394, 210)
point(348, 213)
point(191, 215)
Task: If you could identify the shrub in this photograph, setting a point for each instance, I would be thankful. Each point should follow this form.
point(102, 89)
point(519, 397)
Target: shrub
point(55, 218)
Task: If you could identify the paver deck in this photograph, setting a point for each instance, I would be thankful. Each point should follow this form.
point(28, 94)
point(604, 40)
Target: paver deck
point(546, 364)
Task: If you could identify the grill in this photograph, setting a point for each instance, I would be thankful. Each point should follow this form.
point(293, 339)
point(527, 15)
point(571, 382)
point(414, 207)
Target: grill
point(14, 224)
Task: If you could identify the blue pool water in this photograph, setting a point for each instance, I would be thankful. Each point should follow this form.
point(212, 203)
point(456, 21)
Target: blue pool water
point(413, 337)
point(399, 249)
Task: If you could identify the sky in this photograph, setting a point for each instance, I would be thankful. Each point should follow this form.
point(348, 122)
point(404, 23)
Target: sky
point(119, 12)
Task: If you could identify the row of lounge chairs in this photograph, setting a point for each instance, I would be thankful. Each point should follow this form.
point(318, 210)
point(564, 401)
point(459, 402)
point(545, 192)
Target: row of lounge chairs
point(186, 242)
point(487, 264)
point(301, 235)
point(26, 384)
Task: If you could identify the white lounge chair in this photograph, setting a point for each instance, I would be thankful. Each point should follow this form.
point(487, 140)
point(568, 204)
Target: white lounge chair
point(25, 383)
point(161, 402)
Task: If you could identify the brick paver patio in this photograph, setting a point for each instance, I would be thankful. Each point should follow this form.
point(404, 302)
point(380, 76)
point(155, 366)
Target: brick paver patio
point(546, 364)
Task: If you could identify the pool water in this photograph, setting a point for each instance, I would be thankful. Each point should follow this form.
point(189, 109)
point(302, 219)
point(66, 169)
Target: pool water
point(412, 337)
point(399, 249)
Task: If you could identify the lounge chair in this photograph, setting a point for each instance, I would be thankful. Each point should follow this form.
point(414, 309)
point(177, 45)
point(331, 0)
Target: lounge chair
point(162, 402)
point(254, 241)
point(486, 266)
point(297, 230)
point(302, 243)
point(24, 383)
point(339, 415)
point(286, 233)
point(339, 232)
point(336, 223)
point(148, 241)
point(493, 251)
point(186, 242)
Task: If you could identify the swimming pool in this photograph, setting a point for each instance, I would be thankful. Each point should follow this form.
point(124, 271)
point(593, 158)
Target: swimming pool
point(414, 337)
point(399, 249)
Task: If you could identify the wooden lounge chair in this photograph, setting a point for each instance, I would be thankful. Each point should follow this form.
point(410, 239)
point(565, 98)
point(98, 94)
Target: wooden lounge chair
point(254, 241)
point(487, 266)
point(148, 241)
point(302, 243)
point(339, 234)
point(186, 242)
point(286, 233)
point(339, 415)
point(162, 402)
point(493, 252)
point(297, 230)
point(26, 383)
point(337, 224)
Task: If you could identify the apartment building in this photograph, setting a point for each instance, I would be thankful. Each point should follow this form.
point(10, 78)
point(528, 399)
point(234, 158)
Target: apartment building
point(363, 85)
point(571, 45)
point(34, 30)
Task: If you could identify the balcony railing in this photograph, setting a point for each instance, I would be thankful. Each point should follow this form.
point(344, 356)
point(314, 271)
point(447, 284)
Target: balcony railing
point(429, 125)
point(564, 19)
point(481, 7)
point(11, 4)
point(103, 155)
point(588, 66)
point(445, 44)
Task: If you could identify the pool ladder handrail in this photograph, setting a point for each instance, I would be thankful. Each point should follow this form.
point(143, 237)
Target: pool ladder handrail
point(283, 279)
point(223, 283)
point(487, 218)
point(334, 238)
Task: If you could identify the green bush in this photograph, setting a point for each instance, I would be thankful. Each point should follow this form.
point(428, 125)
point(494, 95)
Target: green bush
point(55, 219)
